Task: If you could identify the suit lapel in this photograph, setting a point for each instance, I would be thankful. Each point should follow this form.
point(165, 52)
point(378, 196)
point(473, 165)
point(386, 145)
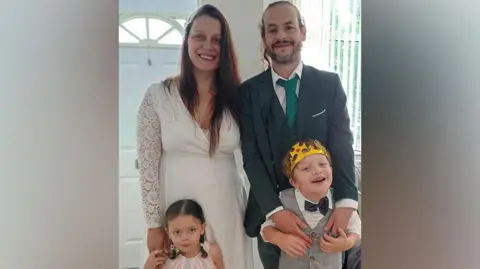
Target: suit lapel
point(271, 109)
point(266, 91)
point(270, 105)
point(265, 94)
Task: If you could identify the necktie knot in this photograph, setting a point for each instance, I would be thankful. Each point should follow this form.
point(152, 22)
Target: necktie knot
point(288, 85)
point(322, 206)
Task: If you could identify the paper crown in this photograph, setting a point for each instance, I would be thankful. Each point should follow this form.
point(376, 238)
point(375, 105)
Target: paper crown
point(301, 150)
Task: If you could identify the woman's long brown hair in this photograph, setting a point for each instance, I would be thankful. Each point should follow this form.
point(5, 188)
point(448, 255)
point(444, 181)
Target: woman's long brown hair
point(227, 80)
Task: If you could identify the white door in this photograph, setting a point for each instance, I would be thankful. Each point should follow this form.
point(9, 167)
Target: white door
point(135, 74)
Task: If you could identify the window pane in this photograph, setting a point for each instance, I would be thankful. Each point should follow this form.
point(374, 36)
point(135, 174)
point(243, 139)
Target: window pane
point(182, 22)
point(172, 38)
point(333, 43)
point(125, 37)
point(314, 57)
point(157, 28)
point(137, 26)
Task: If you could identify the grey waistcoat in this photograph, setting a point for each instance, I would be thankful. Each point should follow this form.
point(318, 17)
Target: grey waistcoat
point(314, 258)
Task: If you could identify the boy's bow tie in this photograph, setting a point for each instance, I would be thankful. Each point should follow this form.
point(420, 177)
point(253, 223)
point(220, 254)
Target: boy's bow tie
point(322, 206)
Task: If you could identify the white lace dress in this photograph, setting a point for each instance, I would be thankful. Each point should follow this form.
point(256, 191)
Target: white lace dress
point(174, 163)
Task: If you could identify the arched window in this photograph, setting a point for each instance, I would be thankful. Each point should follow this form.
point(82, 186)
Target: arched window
point(150, 30)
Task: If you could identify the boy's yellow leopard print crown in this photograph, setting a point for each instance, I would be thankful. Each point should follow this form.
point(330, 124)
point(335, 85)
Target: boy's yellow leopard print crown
point(300, 151)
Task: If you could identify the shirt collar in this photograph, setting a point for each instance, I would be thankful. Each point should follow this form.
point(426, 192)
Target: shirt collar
point(301, 199)
point(298, 71)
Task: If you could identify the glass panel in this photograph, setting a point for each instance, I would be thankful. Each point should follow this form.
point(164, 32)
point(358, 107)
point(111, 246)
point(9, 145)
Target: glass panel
point(182, 22)
point(137, 26)
point(338, 47)
point(125, 37)
point(172, 38)
point(157, 28)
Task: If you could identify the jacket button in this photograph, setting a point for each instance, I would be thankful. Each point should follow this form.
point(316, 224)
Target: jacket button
point(293, 137)
point(313, 234)
point(312, 258)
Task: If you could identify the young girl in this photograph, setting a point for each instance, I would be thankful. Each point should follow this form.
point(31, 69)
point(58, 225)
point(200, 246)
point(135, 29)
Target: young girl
point(185, 225)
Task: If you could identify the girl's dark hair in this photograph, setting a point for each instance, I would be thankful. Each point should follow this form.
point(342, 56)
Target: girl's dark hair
point(227, 80)
point(301, 23)
point(187, 207)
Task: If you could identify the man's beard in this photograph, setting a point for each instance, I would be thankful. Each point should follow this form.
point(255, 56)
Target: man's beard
point(285, 59)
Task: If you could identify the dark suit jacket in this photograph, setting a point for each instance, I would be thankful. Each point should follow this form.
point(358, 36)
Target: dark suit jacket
point(321, 115)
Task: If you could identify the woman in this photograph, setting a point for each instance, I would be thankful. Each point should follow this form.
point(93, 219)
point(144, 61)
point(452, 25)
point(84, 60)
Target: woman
point(187, 135)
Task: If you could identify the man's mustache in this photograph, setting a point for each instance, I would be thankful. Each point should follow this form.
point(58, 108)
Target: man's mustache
point(282, 43)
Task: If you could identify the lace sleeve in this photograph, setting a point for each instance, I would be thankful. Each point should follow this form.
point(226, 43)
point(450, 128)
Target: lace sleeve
point(149, 146)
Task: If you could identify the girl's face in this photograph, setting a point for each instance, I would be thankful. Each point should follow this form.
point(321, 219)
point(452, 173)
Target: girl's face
point(185, 232)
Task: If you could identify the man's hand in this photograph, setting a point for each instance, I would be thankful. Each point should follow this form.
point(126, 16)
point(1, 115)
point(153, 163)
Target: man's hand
point(292, 245)
point(339, 220)
point(330, 244)
point(157, 239)
point(288, 223)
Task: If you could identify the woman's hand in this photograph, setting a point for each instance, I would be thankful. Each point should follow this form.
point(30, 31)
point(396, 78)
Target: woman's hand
point(157, 239)
point(156, 260)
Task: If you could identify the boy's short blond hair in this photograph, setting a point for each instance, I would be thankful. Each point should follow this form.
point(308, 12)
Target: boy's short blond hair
point(301, 150)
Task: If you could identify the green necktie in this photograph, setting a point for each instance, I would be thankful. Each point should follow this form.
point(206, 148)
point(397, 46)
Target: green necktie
point(290, 87)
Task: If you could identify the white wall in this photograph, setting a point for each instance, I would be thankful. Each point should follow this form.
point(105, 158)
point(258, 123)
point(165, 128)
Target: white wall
point(267, 2)
point(161, 6)
point(58, 134)
point(245, 32)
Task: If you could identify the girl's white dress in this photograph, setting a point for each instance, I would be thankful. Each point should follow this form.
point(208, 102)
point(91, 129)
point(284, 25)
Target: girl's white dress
point(196, 262)
point(174, 163)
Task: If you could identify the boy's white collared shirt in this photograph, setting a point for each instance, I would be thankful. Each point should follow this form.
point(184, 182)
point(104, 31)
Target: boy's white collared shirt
point(313, 218)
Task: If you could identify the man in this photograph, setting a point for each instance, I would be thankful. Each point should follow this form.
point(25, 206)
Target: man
point(288, 102)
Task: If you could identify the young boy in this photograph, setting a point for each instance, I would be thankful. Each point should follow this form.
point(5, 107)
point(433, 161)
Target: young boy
point(308, 166)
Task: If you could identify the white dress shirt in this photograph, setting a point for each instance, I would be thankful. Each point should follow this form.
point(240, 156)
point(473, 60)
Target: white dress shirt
point(280, 92)
point(313, 218)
